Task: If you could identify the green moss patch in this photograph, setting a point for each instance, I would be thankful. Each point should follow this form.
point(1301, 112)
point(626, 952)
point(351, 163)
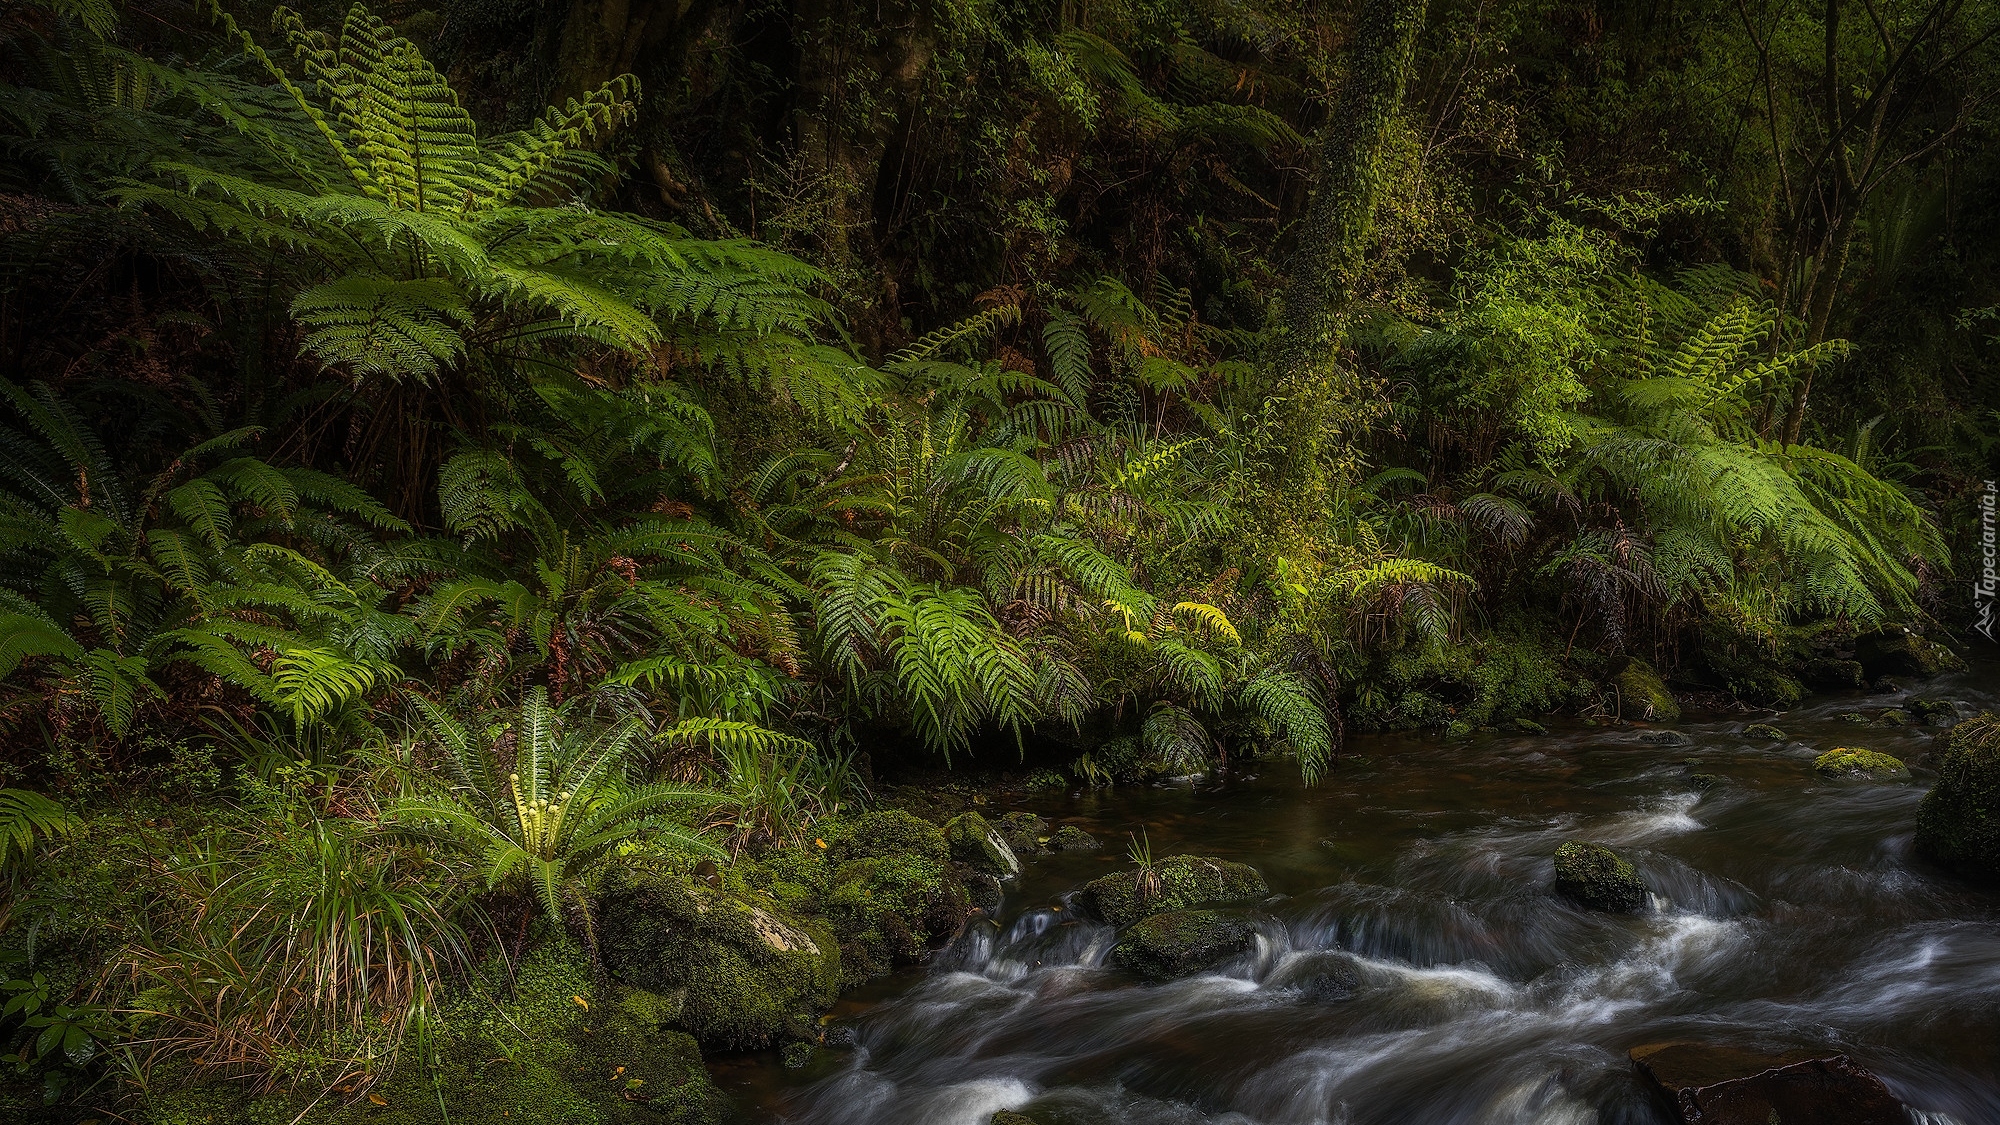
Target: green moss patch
point(1184, 882)
point(1850, 762)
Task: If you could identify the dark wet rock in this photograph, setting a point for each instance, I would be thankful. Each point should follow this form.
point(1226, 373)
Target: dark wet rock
point(1529, 726)
point(1183, 882)
point(984, 891)
point(1721, 1085)
point(1594, 876)
point(1706, 781)
point(1182, 942)
point(1009, 1117)
point(1894, 717)
point(838, 1035)
point(1765, 731)
point(1666, 738)
point(976, 844)
point(1643, 695)
point(1070, 838)
point(1959, 822)
point(1023, 831)
point(1830, 674)
point(1856, 764)
point(1330, 987)
point(1856, 718)
point(1897, 651)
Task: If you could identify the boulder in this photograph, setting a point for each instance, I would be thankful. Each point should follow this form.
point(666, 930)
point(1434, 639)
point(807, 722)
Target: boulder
point(1896, 651)
point(892, 910)
point(1936, 711)
point(1023, 831)
point(1706, 781)
point(1666, 738)
point(984, 892)
point(1721, 1085)
point(1009, 1117)
point(1529, 726)
point(1643, 695)
point(1070, 838)
point(886, 832)
point(1855, 764)
point(743, 973)
point(1764, 731)
point(974, 843)
point(1182, 942)
point(1594, 876)
point(1959, 822)
point(1183, 882)
point(1828, 673)
point(1458, 729)
point(1856, 718)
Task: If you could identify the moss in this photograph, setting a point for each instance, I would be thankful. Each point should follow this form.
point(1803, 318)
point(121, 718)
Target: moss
point(1764, 731)
point(1185, 881)
point(1643, 695)
point(1529, 726)
point(885, 832)
point(1853, 762)
point(1593, 875)
point(1023, 831)
point(1896, 651)
point(1070, 838)
point(1484, 677)
point(1958, 823)
point(1181, 942)
point(1009, 1117)
point(889, 910)
point(1934, 711)
point(1834, 674)
point(745, 971)
point(1458, 729)
point(974, 843)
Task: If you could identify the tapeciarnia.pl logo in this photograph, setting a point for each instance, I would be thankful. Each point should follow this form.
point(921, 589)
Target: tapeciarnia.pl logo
point(1986, 588)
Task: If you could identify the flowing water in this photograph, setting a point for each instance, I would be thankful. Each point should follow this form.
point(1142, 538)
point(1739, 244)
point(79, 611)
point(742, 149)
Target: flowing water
point(1413, 966)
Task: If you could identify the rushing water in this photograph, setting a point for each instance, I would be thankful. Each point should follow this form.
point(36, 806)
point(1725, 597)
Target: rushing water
point(1414, 967)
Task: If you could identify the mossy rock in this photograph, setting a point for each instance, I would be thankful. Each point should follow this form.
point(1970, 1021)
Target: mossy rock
point(745, 972)
point(1665, 738)
point(1594, 876)
point(1706, 781)
point(891, 910)
point(1894, 717)
point(1764, 731)
point(1856, 718)
point(1934, 710)
point(1182, 942)
point(1185, 881)
point(1459, 729)
point(975, 843)
point(885, 832)
point(1643, 695)
point(1009, 1117)
point(1023, 831)
point(1833, 674)
point(1070, 838)
point(1958, 823)
point(1850, 762)
point(1529, 726)
point(1896, 651)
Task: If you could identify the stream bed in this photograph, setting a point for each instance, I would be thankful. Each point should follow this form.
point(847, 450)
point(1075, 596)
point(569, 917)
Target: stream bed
point(1412, 964)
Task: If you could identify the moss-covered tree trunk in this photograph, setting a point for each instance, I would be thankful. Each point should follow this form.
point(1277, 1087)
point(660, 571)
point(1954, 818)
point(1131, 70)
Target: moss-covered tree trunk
point(1333, 238)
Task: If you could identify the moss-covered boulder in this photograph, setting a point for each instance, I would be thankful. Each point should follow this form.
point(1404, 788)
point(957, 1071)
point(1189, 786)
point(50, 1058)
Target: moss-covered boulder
point(1833, 674)
point(1934, 711)
point(885, 832)
point(1894, 717)
point(1182, 942)
point(1529, 726)
point(1959, 822)
point(1854, 763)
point(1009, 1117)
point(975, 843)
point(1896, 651)
point(891, 910)
point(1643, 695)
point(1181, 882)
point(1593, 875)
point(1023, 831)
point(1764, 731)
point(741, 971)
point(1070, 838)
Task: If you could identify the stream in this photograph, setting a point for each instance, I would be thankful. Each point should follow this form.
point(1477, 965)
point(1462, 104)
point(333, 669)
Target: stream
point(1413, 966)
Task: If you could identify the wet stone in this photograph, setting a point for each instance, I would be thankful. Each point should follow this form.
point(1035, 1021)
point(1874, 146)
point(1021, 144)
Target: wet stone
point(1009, 1117)
point(1765, 731)
point(1712, 1084)
point(1594, 876)
point(1182, 942)
point(984, 890)
point(1666, 738)
point(1853, 763)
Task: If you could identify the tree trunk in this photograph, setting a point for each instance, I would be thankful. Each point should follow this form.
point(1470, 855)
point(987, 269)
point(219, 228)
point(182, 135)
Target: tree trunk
point(1333, 237)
